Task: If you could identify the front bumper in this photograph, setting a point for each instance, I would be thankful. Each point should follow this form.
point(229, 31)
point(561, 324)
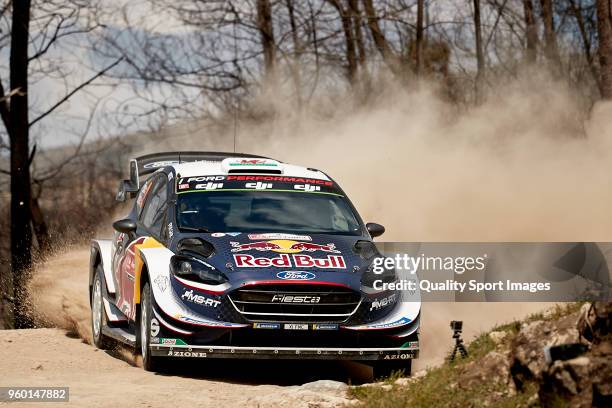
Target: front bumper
point(315, 353)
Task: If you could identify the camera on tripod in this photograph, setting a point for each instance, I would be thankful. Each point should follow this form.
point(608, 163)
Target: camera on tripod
point(457, 327)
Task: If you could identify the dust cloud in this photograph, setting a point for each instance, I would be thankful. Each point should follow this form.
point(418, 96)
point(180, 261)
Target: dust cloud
point(531, 163)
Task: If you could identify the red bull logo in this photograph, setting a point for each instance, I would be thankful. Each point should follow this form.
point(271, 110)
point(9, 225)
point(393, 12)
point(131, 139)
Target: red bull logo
point(290, 261)
point(284, 246)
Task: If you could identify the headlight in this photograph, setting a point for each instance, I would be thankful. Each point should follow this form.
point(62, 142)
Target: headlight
point(369, 277)
point(194, 269)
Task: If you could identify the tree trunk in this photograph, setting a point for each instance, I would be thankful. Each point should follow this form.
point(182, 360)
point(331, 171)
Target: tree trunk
point(586, 42)
point(356, 14)
point(479, 51)
point(419, 38)
point(604, 30)
point(40, 226)
point(550, 47)
point(266, 31)
point(347, 28)
point(297, 52)
point(21, 233)
point(382, 45)
point(531, 32)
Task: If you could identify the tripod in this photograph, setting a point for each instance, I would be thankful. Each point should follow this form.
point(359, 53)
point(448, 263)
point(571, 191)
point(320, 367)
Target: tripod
point(458, 346)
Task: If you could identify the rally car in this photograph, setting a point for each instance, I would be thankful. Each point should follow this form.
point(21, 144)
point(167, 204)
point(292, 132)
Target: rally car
point(227, 255)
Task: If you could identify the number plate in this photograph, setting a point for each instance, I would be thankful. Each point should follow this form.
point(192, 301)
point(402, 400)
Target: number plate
point(293, 326)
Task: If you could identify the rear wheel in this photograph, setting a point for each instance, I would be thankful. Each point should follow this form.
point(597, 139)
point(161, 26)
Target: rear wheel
point(149, 362)
point(98, 316)
point(383, 369)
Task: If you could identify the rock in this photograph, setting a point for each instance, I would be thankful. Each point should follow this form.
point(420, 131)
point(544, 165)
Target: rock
point(492, 369)
point(527, 349)
point(320, 394)
point(497, 337)
point(404, 381)
point(326, 386)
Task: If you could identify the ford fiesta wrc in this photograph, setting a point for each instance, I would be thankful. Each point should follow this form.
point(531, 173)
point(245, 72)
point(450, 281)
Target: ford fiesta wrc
point(226, 255)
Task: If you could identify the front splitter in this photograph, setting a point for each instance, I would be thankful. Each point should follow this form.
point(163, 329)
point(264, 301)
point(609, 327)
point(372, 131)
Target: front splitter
point(309, 353)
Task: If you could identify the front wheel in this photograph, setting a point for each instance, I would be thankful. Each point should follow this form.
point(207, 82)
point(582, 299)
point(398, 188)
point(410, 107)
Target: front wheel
point(98, 316)
point(149, 362)
point(383, 369)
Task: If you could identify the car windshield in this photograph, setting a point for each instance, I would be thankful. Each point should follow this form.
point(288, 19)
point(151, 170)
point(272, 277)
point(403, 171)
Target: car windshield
point(229, 211)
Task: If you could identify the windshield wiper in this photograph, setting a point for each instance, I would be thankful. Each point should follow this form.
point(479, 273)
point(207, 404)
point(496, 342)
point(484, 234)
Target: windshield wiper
point(193, 229)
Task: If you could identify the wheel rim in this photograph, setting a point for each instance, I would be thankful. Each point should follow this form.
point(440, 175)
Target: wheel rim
point(144, 332)
point(97, 308)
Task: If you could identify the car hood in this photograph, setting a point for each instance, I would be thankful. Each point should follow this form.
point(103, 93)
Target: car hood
point(251, 258)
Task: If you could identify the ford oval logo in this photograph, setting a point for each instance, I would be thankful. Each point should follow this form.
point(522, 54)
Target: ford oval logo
point(296, 275)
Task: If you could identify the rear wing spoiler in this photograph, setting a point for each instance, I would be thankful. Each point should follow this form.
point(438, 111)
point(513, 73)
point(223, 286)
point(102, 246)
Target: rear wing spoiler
point(147, 164)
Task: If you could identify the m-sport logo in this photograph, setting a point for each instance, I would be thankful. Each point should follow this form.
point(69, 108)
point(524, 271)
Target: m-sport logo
point(296, 275)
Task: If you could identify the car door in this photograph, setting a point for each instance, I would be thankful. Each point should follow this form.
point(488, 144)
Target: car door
point(148, 206)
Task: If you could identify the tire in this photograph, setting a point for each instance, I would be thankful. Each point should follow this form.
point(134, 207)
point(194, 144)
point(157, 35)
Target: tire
point(383, 369)
point(149, 362)
point(98, 315)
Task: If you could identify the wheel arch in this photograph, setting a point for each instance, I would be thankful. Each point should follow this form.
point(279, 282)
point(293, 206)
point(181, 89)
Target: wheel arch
point(100, 255)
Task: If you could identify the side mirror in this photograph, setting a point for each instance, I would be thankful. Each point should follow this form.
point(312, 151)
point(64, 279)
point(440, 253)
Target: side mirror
point(126, 226)
point(127, 189)
point(375, 230)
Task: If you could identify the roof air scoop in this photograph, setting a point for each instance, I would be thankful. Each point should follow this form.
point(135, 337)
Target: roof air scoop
point(240, 165)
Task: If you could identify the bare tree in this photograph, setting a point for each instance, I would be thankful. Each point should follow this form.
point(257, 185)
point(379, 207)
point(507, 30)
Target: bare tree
point(604, 28)
point(419, 37)
point(531, 32)
point(479, 49)
point(52, 21)
point(383, 46)
point(551, 50)
point(266, 30)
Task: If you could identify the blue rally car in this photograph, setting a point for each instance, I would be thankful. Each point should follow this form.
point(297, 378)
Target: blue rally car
point(227, 255)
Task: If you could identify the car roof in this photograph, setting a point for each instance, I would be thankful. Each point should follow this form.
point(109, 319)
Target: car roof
point(240, 165)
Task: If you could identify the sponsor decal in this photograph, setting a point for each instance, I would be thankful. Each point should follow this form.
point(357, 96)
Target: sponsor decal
point(295, 326)
point(296, 275)
point(281, 179)
point(253, 162)
point(187, 319)
point(170, 230)
point(233, 234)
point(154, 327)
point(171, 342)
point(269, 236)
point(283, 298)
point(217, 234)
point(307, 187)
point(258, 185)
point(397, 323)
point(209, 186)
point(266, 325)
point(157, 164)
point(170, 176)
point(183, 186)
point(199, 299)
point(143, 194)
point(201, 179)
point(162, 282)
point(383, 302)
point(402, 356)
point(172, 353)
point(284, 246)
point(411, 344)
point(325, 326)
point(285, 261)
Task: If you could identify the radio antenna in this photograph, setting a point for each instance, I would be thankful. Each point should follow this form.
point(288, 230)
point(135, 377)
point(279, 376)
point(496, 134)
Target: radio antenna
point(235, 98)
